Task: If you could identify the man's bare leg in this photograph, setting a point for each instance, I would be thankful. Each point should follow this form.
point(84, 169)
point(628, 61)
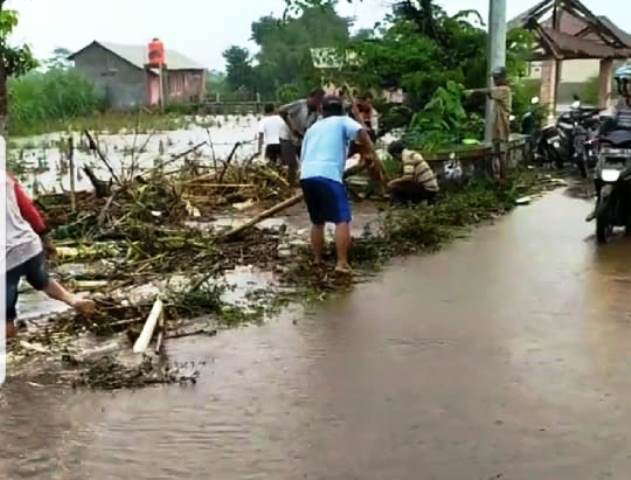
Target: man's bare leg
point(317, 243)
point(292, 174)
point(57, 292)
point(11, 330)
point(342, 245)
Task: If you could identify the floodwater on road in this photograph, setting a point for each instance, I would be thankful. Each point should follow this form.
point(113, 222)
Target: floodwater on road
point(504, 356)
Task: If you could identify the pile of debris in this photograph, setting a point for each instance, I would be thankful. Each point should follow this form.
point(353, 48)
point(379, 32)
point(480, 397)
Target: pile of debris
point(150, 231)
point(146, 249)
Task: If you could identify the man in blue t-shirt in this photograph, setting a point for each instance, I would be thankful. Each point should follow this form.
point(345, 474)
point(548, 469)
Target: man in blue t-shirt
point(324, 153)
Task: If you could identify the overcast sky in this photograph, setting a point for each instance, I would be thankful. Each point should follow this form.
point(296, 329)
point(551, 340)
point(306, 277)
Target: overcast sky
point(203, 29)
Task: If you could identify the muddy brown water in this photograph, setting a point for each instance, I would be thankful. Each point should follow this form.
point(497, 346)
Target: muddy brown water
point(505, 356)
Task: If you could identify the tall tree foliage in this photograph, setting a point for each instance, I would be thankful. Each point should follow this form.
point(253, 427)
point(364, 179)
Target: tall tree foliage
point(419, 49)
point(59, 59)
point(284, 63)
point(285, 46)
point(239, 71)
point(14, 61)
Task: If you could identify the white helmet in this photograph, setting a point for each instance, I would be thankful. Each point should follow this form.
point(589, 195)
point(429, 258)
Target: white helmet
point(623, 79)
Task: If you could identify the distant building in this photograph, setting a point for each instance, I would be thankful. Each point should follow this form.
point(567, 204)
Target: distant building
point(120, 72)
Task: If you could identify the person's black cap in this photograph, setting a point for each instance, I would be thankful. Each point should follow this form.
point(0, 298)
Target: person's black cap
point(499, 72)
point(332, 101)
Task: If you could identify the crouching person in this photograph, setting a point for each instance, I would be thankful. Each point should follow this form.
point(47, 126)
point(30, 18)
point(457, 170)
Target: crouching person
point(418, 182)
point(323, 159)
point(25, 257)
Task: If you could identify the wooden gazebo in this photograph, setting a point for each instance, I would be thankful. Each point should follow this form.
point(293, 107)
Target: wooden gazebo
point(568, 30)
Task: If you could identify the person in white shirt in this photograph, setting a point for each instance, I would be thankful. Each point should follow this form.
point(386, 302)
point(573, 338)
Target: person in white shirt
point(272, 132)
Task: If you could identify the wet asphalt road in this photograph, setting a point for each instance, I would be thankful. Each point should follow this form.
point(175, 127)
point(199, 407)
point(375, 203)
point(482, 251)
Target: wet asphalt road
point(505, 356)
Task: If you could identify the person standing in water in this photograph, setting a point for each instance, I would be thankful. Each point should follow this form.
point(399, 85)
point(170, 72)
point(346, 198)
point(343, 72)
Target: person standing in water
point(324, 154)
point(272, 133)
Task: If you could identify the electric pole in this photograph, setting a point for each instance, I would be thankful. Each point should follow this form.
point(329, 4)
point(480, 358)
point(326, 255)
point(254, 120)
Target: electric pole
point(496, 52)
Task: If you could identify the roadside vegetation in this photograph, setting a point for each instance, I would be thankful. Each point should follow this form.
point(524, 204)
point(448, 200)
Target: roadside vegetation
point(61, 99)
point(44, 101)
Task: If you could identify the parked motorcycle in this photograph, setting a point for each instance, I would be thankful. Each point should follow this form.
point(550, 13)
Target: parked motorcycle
point(552, 146)
point(585, 139)
point(578, 132)
point(542, 141)
point(613, 184)
point(574, 138)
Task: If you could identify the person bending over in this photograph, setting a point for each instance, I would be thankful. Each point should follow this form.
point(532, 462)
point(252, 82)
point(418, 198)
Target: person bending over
point(418, 182)
point(324, 153)
point(24, 255)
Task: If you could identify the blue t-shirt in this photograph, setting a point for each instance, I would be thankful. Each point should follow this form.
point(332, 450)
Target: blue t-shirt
point(325, 147)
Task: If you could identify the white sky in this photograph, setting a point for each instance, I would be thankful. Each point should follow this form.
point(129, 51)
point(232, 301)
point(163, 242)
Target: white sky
point(203, 29)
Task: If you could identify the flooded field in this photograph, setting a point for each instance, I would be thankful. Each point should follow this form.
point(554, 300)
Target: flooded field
point(47, 165)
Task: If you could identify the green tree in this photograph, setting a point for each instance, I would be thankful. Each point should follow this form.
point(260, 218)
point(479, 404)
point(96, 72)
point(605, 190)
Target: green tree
point(14, 61)
point(420, 48)
point(59, 59)
point(239, 71)
point(217, 84)
point(417, 55)
point(285, 46)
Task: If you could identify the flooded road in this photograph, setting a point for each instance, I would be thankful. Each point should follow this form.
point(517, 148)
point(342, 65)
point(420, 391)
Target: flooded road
point(505, 356)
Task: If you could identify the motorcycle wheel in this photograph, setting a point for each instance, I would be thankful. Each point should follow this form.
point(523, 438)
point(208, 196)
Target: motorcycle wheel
point(603, 229)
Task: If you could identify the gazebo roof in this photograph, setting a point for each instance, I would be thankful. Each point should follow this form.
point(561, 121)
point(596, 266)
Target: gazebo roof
point(567, 29)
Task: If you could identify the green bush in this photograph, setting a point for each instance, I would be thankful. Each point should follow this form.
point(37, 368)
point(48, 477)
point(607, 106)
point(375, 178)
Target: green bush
point(39, 98)
point(393, 116)
point(589, 93)
point(524, 90)
point(288, 93)
point(443, 122)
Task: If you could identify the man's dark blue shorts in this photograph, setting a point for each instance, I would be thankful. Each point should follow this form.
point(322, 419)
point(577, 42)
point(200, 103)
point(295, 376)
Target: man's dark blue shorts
point(326, 201)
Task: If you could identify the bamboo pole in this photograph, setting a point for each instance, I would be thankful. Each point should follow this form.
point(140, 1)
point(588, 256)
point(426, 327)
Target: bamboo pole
point(71, 165)
point(175, 158)
point(150, 325)
point(227, 164)
point(160, 340)
point(290, 202)
point(95, 146)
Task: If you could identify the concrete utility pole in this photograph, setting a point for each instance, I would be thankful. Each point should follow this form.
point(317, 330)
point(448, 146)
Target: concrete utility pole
point(496, 53)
